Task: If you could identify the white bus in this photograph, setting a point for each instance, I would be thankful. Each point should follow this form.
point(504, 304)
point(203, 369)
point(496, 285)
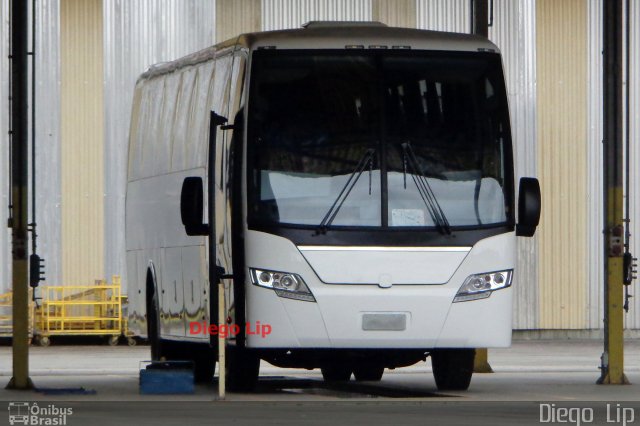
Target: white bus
point(353, 186)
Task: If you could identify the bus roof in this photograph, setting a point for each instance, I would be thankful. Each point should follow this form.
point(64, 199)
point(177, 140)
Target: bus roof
point(336, 35)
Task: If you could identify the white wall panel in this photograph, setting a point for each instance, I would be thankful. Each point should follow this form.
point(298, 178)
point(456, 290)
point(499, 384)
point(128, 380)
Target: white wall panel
point(283, 14)
point(138, 34)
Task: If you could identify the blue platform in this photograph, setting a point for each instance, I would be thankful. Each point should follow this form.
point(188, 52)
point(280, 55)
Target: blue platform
point(167, 377)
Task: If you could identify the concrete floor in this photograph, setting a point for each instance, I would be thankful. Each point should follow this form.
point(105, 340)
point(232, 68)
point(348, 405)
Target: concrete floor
point(559, 372)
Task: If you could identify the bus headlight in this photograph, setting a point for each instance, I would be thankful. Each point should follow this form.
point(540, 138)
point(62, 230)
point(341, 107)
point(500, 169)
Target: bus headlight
point(480, 286)
point(285, 284)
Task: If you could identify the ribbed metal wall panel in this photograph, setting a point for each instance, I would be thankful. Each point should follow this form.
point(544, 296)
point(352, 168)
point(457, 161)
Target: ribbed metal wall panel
point(5, 233)
point(561, 33)
point(237, 17)
point(282, 14)
point(47, 139)
point(398, 13)
point(595, 219)
point(513, 31)
point(136, 35)
point(444, 15)
point(633, 317)
point(81, 100)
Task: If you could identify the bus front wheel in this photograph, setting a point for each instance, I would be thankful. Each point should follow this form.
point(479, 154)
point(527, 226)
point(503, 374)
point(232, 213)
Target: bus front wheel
point(452, 368)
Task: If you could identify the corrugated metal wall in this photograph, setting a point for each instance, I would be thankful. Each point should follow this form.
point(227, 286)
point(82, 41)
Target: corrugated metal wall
point(633, 318)
point(444, 15)
point(236, 17)
point(5, 233)
point(81, 71)
point(136, 35)
point(400, 13)
point(562, 159)
point(282, 14)
point(594, 177)
point(47, 137)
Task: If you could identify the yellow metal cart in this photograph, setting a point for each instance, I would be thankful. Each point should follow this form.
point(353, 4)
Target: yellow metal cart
point(94, 310)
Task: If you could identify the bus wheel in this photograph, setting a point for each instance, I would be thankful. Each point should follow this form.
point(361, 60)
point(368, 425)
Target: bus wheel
point(242, 368)
point(336, 373)
point(452, 368)
point(368, 373)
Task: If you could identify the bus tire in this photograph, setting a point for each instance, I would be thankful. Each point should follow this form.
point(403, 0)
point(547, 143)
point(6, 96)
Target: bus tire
point(242, 369)
point(368, 373)
point(336, 373)
point(452, 368)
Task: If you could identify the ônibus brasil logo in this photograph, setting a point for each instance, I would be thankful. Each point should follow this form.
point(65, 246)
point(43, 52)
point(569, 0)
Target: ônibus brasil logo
point(30, 413)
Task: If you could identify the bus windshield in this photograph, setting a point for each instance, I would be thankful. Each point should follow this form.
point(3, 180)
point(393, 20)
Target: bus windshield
point(437, 124)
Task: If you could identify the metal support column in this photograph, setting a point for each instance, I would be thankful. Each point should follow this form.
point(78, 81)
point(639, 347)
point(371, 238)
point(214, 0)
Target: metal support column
point(19, 193)
point(612, 367)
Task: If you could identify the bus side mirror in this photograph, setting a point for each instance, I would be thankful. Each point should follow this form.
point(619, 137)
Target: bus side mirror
point(192, 206)
point(529, 203)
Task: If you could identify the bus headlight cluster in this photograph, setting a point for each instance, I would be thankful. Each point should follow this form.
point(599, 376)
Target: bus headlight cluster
point(285, 284)
point(480, 286)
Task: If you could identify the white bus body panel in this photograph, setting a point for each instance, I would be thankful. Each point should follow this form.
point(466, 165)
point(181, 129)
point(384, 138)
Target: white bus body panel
point(374, 265)
point(336, 319)
point(156, 240)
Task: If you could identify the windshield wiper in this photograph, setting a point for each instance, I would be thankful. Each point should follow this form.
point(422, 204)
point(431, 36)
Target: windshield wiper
point(366, 159)
point(426, 193)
